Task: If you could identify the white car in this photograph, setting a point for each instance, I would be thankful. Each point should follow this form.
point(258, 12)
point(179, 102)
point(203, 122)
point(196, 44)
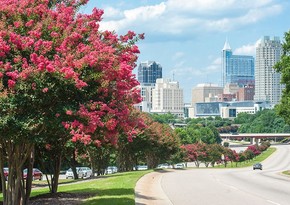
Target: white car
point(164, 166)
point(141, 167)
point(83, 172)
point(111, 170)
point(179, 166)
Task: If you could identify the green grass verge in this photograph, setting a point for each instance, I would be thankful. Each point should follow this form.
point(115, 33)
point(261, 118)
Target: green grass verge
point(287, 172)
point(110, 189)
point(264, 155)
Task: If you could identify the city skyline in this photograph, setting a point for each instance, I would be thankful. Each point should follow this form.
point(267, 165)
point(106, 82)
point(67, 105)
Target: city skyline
point(186, 37)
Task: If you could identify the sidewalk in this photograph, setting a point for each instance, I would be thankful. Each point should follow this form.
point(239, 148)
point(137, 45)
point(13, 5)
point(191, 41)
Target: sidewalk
point(148, 190)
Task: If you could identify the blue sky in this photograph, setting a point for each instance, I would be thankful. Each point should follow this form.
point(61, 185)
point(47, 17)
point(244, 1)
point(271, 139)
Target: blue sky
point(186, 36)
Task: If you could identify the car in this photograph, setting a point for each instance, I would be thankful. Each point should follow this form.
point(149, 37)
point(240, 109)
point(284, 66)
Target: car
point(141, 167)
point(164, 166)
point(257, 166)
point(111, 170)
point(83, 172)
point(6, 172)
point(179, 166)
point(36, 174)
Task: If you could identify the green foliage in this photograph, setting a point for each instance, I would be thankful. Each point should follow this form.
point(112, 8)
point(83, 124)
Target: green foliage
point(265, 121)
point(283, 109)
point(164, 118)
point(195, 132)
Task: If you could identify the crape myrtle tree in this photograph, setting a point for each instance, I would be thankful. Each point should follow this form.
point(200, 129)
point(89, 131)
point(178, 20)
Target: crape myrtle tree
point(62, 79)
point(283, 66)
point(156, 142)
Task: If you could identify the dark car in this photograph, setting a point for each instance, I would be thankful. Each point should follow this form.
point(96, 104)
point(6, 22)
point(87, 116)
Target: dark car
point(257, 166)
point(36, 174)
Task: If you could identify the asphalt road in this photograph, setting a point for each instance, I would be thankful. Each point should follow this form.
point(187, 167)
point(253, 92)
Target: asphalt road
point(243, 186)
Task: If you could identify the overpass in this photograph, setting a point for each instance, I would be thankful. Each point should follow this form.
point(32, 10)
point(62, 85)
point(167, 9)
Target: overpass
point(254, 136)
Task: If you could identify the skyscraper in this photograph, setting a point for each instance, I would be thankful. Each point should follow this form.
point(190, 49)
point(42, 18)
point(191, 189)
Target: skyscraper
point(267, 80)
point(148, 72)
point(236, 68)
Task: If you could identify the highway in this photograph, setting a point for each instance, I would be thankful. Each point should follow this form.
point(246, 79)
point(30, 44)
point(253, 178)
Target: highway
point(238, 186)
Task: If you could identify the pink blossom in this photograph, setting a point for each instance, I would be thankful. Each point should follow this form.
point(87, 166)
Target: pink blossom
point(11, 83)
point(44, 90)
point(17, 24)
point(141, 36)
point(66, 125)
point(50, 68)
point(57, 115)
point(29, 23)
point(80, 84)
point(54, 34)
point(33, 86)
point(69, 112)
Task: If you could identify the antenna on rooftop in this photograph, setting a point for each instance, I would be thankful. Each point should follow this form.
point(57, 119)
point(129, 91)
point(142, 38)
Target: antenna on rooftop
point(173, 76)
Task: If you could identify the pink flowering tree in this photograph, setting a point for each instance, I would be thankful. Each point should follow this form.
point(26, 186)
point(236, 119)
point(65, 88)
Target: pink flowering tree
point(61, 79)
point(195, 153)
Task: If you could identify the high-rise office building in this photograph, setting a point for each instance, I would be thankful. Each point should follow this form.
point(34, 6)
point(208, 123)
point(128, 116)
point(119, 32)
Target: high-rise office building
point(267, 80)
point(167, 97)
point(148, 72)
point(236, 68)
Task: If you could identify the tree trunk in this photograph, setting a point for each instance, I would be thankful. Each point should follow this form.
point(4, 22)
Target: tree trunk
point(54, 180)
point(29, 177)
point(14, 193)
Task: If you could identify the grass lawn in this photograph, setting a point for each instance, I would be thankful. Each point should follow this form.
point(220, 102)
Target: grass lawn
point(110, 189)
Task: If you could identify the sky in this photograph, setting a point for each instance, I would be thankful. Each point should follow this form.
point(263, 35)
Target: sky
point(187, 36)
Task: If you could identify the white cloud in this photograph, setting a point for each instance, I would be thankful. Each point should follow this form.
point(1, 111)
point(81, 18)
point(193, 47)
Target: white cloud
point(215, 66)
point(249, 49)
point(134, 16)
point(214, 5)
point(177, 55)
point(178, 17)
point(112, 13)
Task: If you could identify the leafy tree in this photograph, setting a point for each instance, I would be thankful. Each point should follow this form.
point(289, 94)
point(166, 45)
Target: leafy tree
point(164, 118)
point(283, 66)
point(265, 121)
point(62, 79)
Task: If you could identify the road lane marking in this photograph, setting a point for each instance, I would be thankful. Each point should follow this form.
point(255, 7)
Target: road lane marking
point(273, 202)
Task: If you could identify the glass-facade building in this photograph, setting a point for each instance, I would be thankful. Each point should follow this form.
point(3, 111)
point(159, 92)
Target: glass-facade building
point(239, 69)
point(148, 72)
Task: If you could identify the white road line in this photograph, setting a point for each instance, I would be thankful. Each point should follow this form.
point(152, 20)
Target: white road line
point(233, 187)
point(273, 202)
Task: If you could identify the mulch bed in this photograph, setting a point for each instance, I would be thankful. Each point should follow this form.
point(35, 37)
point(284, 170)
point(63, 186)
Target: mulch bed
point(61, 198)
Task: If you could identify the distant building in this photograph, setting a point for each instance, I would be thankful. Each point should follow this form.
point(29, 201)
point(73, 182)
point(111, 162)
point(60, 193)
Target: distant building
point(148, 72)
point(146, 95)
point(232, 109)
point(237, 69)
point(246, 93)
point(167, 97)
point(231, 88)
point(226, 97)
point(205, 93)
point(267, 80)
point(228, 109)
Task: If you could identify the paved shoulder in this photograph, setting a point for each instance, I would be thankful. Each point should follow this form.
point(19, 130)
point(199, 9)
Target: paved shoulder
point(148, 190)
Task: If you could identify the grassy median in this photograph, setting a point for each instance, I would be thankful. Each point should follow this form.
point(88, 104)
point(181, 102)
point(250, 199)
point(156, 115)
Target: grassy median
point(110, 189)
